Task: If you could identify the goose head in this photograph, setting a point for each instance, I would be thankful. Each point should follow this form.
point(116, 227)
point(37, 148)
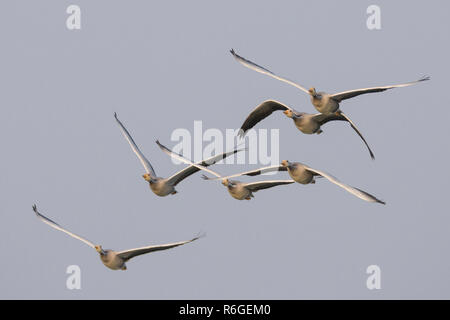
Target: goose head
point(289, 113)
point(228, 183)
point(312, 91)
point(149, 178)
point(99, 249)
point(286, 163)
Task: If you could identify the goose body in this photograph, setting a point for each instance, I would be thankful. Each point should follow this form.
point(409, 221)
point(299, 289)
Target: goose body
point(299, 173)
point(161, 187)
point(115, 260)
point(244, 191)
point(238, 190)
point(305, 122)
point(323, 102)
point(112, 260)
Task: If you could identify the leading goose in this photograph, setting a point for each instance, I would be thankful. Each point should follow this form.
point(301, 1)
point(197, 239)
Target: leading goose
point(114, 260)
point(304, 174)
point(305, 122)
point(238, 190)
point(165, 186)
point(324, 102)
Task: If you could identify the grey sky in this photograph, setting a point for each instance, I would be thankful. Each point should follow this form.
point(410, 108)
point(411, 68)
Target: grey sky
point(162, 65)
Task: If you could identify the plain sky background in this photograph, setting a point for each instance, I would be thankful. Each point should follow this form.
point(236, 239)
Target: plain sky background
point(162, 65)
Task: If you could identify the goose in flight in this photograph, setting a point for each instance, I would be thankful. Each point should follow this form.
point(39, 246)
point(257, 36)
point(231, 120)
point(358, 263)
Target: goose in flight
point(165, 186)
point(305, 122)
point(304, 174)
point(114, 260)
point(322, 101)
point(238, 190)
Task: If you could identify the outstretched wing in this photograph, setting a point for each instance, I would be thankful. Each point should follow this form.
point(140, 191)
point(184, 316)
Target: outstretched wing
point(148, 167)
point(128, 254)
point(324, 118)
point(353, 93)
point(257, 68)
point(261, 112)
point(183, 159)
point(58, 227)
point(251, 173)
point(355, 191)
point(359, 134)
point(255, 186)
point(186, 172)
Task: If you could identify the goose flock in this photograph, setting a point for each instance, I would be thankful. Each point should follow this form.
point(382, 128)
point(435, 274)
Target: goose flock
point(161, 186)
point(328, 107)
point(327, 104)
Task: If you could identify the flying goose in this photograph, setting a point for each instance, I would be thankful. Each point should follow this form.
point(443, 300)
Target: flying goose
point(322, 101)
point(305, 122)
point(114, 260)
point(304, 174)
point(165, 186)
point(238, 190)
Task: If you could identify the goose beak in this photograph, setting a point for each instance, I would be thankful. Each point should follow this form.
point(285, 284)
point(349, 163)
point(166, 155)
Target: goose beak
point(288, 113)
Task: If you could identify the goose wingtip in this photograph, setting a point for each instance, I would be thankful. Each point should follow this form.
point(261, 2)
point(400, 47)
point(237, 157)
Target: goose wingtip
point(241, 133)
point(199, 235)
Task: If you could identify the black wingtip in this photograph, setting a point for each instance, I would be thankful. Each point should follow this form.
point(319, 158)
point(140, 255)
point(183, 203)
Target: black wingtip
point(425, 78)
point(35, 208)
point(232, 52)
point(115, 115)
point(381, 201)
